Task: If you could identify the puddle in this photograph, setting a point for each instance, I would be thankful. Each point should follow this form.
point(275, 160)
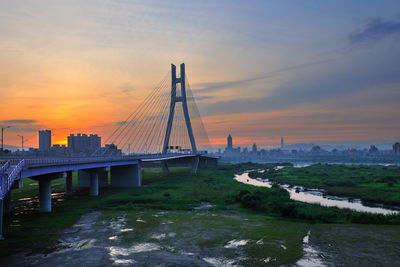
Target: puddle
point(126, 230)
point(220, 262)
point(204, 205)
point(236, 243)
point(143, 247)
point(312, 257)
point(158, 236)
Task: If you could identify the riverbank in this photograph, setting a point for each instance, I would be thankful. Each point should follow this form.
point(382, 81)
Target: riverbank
point(370, 183)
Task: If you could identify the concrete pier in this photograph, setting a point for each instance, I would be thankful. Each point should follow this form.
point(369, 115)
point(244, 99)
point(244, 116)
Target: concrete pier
point(94, 183)
point(1, 219)
point(164, 167)
point(68, 184)
point(84, 177)
point(45, 194)
point(45, 189)
point(7, 203)
point(126, 176)
point(195, 165)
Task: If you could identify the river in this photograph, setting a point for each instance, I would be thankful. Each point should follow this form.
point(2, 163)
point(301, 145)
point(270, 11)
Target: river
point(315, 196)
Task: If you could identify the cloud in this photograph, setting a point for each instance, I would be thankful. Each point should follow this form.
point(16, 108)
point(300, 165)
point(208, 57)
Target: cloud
point(200, 98)
point(19, 121)
point(215, 86)
point(353, 74)
point(126, 88)
point(375, 30)
point(120, 123)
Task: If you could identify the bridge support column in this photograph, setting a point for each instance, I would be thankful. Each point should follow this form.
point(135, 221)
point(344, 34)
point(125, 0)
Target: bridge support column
point(68, 184)
point(164, 166)
point(1, 219)
point(7, 203)
point(94, 183)
point(126, 176)
point(208, 162)
point(195, 165)
point(84, 178)
point(45, 195)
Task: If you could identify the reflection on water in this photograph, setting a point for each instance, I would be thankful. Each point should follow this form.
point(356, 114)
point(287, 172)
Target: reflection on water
point(315, 196)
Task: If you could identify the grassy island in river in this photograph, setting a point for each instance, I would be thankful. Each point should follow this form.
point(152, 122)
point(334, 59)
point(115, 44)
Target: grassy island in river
point(370, 183)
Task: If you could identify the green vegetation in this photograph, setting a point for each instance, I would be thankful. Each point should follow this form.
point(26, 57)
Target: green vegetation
point(179, 193)
point(276, 202)
point(379, 184)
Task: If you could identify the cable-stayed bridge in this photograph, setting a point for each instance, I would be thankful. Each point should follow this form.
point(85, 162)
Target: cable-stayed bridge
point(167, 121)
point(164, 130)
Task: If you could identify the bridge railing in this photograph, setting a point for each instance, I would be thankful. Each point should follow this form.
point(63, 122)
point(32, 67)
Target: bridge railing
point(8, 180)
point(3, 178)
point(4, 168)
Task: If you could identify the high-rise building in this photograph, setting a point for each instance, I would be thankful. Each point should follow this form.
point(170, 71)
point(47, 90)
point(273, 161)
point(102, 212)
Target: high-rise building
point(83, 143)
point(229, 139)
point(254, 149)
point(44, 140)
point(282, 143)
point(396, 148)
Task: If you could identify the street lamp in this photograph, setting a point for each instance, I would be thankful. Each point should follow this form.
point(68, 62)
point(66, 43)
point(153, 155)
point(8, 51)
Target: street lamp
point(2, 137)
point(22, 142)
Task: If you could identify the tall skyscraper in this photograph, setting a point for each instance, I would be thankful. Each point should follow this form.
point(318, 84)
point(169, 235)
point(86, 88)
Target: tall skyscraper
point(44, 140)
point(282, 143)
point(229, 139)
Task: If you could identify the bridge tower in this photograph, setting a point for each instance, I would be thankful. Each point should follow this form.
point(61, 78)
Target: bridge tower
point(176, 98)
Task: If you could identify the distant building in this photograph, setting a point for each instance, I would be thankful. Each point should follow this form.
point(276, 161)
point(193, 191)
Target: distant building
point(59, 149)
point(282, 143)
point(254, 148)
point(229, 147)
point(396, 148)
point(83, 143)
point(44, 140)
point(373, 150)
point(111, 149)
point(316, 150)
point(229, 142)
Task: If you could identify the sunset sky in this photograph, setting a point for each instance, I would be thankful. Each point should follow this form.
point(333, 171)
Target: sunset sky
point(311, 71)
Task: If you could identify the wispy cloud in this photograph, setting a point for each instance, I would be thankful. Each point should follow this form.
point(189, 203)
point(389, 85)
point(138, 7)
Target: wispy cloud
point(215, 86)
point(19, 121)
point(375, 29)
point(120, 123)
point(200, 98)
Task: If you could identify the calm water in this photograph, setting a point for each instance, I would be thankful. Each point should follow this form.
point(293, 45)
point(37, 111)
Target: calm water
point(316, 196)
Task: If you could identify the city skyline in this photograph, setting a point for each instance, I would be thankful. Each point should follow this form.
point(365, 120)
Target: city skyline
point(258, 71)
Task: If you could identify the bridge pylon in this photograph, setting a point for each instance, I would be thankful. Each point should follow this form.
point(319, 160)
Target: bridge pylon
point(176, 98)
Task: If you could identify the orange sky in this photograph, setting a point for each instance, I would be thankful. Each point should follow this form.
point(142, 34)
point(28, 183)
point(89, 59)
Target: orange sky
point(75, 67)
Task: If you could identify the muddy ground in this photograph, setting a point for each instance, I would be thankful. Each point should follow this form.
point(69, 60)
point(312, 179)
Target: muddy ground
point(204, 237)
